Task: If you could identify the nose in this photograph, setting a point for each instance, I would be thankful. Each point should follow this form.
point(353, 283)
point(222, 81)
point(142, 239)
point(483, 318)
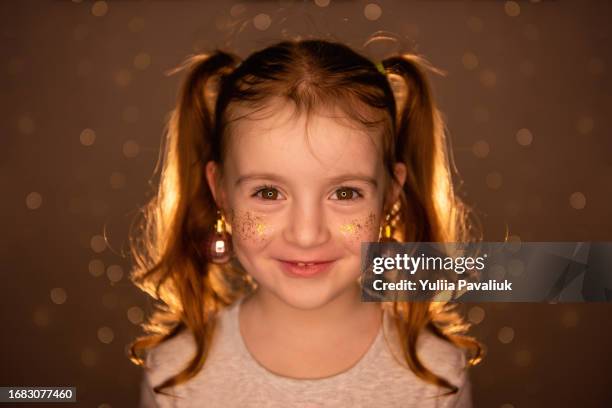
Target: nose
point(306, 226)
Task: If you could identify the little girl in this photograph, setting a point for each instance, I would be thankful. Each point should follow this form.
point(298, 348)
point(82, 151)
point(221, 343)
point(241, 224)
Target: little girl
point(275, 169)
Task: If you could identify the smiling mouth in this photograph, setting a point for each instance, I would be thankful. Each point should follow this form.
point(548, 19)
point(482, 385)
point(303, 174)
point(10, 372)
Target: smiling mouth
point(304, 263)
point(304, 269)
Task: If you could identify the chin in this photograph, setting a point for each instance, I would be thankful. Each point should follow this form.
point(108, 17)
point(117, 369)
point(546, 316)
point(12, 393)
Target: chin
point(312, 293)
point(305, 299)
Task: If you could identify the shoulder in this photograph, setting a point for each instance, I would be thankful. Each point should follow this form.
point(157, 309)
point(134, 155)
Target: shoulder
point(442, 357)
point(172, 350)
point(169, 357)
point(439, 355)
point(162, 362)
point(173, 355)
point(448, 361)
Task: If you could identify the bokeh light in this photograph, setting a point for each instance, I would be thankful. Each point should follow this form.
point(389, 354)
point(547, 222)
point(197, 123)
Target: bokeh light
point(469, 61)
point(524, 137)
point(481, 149)
point(372, 11)
point(262, 21)
point(58, 296)
point(142, 61)
point(96, 267)
point(577, 200)
point(512, 8)
point(131, 149)
point(97, 243)
point(476, 315)
point(505, 335)
point(33, 200)
point(135, 315)
point(114, 273)
point(106, 335)
point(87, 137)
point(99, 8)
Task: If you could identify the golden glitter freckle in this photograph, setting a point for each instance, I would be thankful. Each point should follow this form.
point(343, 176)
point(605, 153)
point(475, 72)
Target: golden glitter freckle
point(347, 228)
point(359, 227)
point(260, 228)
point(248, 225)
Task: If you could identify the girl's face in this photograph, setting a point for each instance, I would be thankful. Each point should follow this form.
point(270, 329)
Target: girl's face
point(295, 197)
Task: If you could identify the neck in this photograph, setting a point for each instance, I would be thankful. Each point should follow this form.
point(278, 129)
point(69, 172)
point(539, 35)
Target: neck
point(344, 312)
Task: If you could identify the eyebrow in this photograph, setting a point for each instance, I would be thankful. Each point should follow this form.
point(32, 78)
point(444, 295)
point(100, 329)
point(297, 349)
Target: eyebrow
point(333, 180)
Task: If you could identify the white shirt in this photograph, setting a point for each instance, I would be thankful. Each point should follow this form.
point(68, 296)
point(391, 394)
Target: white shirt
point(231, 377)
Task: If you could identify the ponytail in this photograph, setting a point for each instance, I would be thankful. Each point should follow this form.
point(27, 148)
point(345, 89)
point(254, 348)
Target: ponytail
point(170, 263)
point(420, 145)
point(429, 210)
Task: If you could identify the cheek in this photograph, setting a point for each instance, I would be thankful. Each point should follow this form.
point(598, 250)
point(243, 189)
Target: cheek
point(250, 228)
point(358, 230)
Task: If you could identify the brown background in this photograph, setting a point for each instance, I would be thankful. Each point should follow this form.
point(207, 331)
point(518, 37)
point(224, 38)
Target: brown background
point(84, 96)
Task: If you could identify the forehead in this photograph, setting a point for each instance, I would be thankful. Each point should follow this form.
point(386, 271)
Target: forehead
point(325, 143)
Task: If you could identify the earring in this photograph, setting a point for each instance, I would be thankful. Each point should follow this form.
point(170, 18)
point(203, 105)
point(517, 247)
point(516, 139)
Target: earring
point(387, 230)
point(220, 243)
point(385, 234)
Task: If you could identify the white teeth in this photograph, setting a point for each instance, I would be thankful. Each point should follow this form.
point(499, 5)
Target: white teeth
point(304, 264)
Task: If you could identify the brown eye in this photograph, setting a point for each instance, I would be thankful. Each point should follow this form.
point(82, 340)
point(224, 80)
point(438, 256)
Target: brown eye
point(268, 193)
point(346, 193)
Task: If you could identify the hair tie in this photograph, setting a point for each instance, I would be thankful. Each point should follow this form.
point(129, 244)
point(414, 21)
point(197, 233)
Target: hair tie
point(381, 68)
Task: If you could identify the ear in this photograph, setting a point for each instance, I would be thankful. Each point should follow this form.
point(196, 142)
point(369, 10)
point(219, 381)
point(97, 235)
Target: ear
point(213, 178)
point(400, 171)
